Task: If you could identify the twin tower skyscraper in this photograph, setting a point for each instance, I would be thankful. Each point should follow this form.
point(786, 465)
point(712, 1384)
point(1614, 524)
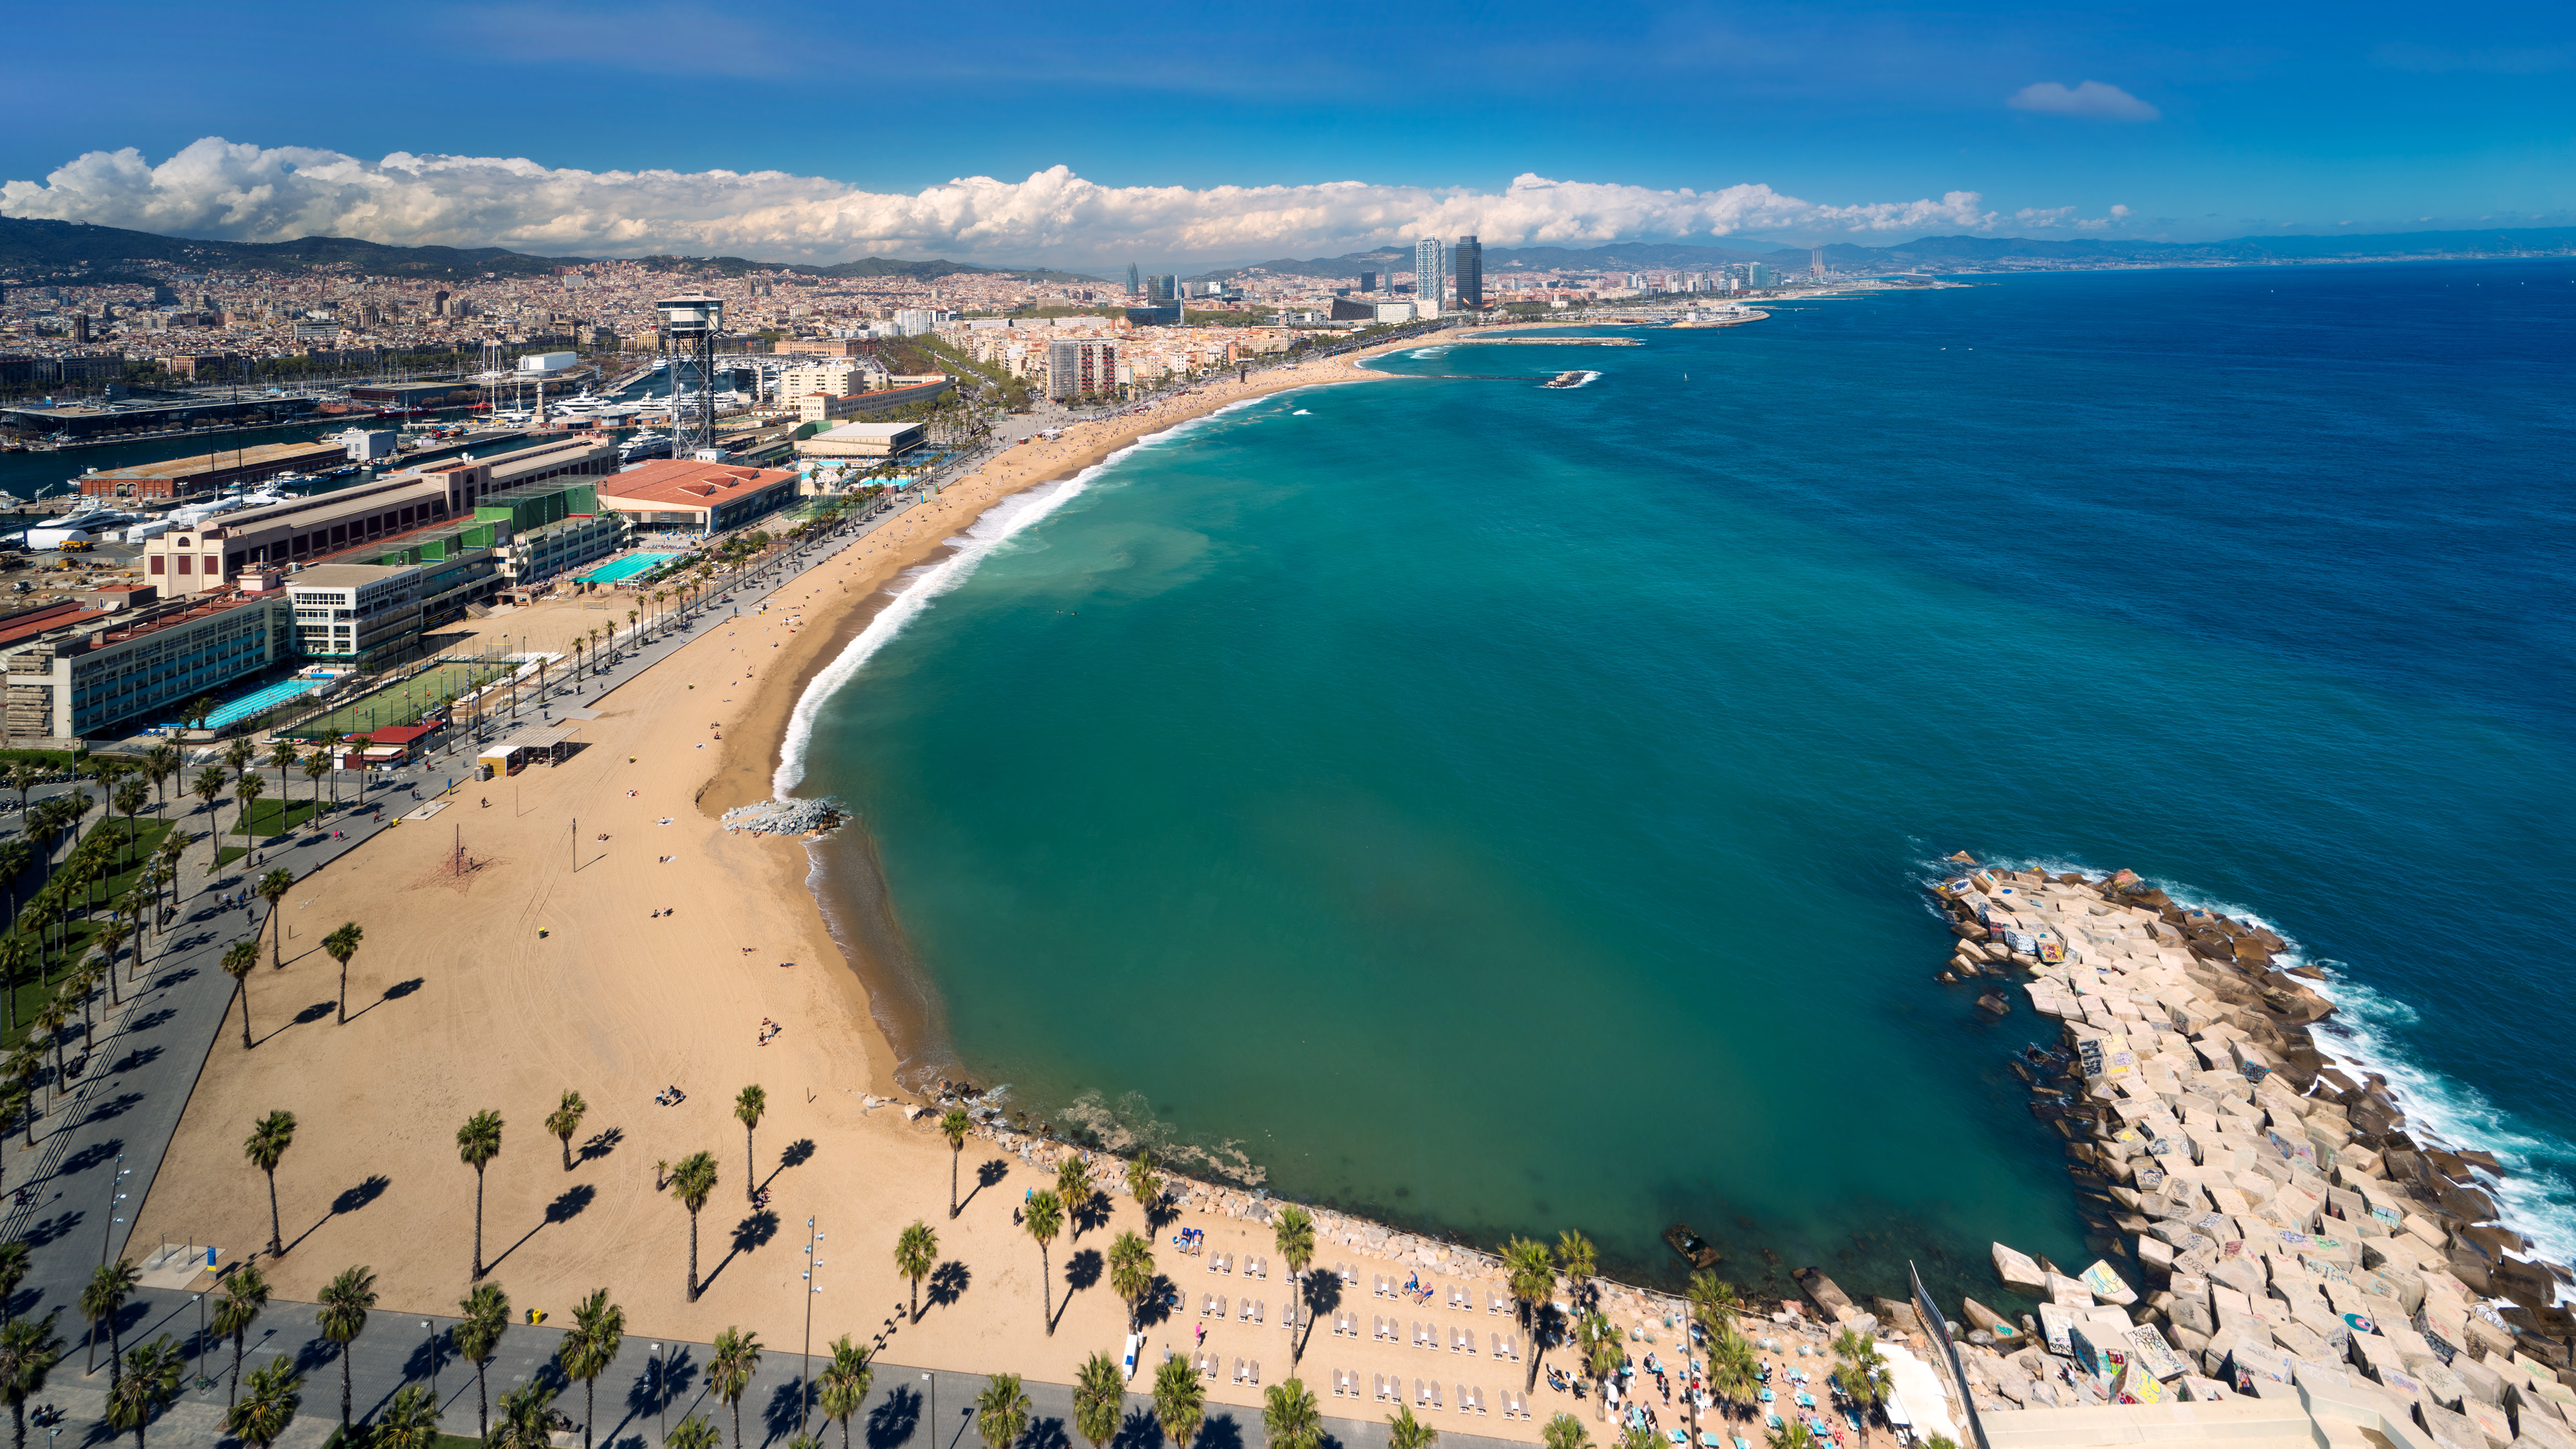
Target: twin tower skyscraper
point(1435, 267)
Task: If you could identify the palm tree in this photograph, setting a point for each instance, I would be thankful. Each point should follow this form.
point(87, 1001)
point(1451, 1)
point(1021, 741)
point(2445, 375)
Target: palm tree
point(747, 1107)
point(1145, 1185)
point(1565, 1432)
point(1734, 1371)
point(954, 1125)
point(345, 1301)
point(1073, 1188)
point(245, 1294)
point(246, 791)
point(265, 1147)
point(56, 1015)
point(1532, 1275)
point(1043, 1216)
point(565, 1119)
point(1598, 1339)
point(160, 763)
point(24, 777)
point(736, 1357)
point(270, 1408)
point(693, 1432)
point(1001, 1412)
point(1861, 1370)
point(110, 1285)
point(1403, 1431)
point(283, 754)
point(916, 1252)
point(524, 1412)
point(1099, 1398)
point(340, 945)
point(317, 765)
point(1793, 1434)
point(210, 787)
point(477, 1143)
point(13, 1271)
point(151, 1381)
point(28, 1352)
point(486, 1313)
point(1289, 1418)
point(845, 1382)
point(1180, 1401)
point(129, 802)
point(239, 960)
point(17, 953)
point(272, 888)
point(1294, 1235)
point(1578, 1261)
point(1131, 1274)
point(409, 1422)
point(692, 1182)
point(598, 1330)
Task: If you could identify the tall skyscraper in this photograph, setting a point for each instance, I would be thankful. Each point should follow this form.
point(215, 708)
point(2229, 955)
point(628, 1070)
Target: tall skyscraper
point(1135, 287)
point(1430, 274)
point(1471, 272)
point(1368, 282)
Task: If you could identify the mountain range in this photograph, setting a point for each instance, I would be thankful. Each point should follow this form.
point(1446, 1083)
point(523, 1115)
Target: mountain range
point(59, 251)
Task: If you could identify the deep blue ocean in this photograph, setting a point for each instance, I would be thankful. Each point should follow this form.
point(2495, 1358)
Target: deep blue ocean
point(1504, 809)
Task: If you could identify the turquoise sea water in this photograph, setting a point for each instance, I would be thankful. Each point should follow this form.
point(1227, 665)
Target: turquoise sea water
point(1501, 809)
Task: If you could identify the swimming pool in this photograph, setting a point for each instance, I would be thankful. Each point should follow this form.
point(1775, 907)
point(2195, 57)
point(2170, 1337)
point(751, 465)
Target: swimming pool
point(259, 701)
point(625, 568)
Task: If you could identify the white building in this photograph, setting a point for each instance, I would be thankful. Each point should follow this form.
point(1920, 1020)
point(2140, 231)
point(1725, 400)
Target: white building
point(1430, 275)
point(348, 610)
point(914, 321)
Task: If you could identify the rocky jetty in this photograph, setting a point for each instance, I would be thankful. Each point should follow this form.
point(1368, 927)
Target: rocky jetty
point(787, 817)
point(2263, 1215)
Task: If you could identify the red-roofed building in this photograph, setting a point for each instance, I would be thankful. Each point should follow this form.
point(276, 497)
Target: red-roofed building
point(687, 493)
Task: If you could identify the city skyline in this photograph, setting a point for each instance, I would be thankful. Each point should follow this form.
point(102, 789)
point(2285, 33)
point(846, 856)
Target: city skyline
point(564, 131)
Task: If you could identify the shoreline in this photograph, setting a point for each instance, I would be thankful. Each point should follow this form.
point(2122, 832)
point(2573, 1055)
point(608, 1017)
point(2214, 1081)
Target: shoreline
point(902, 1005)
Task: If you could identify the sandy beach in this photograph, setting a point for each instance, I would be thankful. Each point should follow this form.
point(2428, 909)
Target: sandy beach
point(546, 968)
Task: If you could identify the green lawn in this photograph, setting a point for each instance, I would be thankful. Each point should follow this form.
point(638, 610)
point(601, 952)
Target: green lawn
point(266, 820)
point(29, 996)
point(403, 703)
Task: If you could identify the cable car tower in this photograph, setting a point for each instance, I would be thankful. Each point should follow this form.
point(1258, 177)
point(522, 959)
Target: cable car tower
point(689, 328)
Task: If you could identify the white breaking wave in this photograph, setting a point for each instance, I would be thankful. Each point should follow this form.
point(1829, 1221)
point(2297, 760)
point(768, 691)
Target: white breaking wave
point(991, 529)
point(2365, 1035)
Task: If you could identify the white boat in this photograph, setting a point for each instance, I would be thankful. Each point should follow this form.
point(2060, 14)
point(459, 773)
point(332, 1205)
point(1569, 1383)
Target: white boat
point(579, 407)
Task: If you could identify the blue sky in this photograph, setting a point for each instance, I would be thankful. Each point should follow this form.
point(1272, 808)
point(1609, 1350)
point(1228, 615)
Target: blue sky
point(2200, 120)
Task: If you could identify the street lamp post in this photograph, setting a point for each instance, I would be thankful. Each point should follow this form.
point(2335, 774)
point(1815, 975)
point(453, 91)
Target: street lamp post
point(432, 1332)
point(805, 1374)
point(661, 1394)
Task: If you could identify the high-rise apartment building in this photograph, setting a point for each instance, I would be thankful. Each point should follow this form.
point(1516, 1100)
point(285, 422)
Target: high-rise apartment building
point(1077, 367)
point(1471, 272)
point(1430, 275)
point(1163, 287)
point(1368, 282)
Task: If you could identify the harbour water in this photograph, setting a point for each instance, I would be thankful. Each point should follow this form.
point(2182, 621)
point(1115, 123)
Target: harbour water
point(1501, 809)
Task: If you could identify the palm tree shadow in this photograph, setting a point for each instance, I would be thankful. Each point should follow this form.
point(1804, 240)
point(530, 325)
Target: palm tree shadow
point(1092, 1212)
point(749, 1235)
point(893, 1422)
point(947, 1283)
point(600, 1145)
point(786, 1403)
point(1159, 1302)
point(1045, 1434)
point(567, 1205)
point(1323, 1294)
point(1081, 1271)
point(395, 992)
point(1138, 1431)
point(986, 1176)
point(1220, 1431)
point(349, 1201)
point(798, 1153)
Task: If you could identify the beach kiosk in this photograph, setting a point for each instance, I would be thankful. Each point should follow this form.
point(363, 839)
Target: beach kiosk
point(539, 743)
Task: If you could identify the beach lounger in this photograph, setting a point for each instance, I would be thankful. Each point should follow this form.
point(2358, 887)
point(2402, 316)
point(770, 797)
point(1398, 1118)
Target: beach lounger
point(1349, 1275)
point(1238, 1371)
point(1258, 1307)
point(1379, 1381)
point(1435, 1393)
point(1243, 1311)
point(1220, 1307)
point(1337, 1383)
point(1377, 1285)
point(1255, 1380)
point(1207, 1304)
point(1421, 1400)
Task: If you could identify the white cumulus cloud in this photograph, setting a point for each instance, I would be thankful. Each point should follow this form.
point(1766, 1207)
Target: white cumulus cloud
point(222, 189)
point(2092, 99)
